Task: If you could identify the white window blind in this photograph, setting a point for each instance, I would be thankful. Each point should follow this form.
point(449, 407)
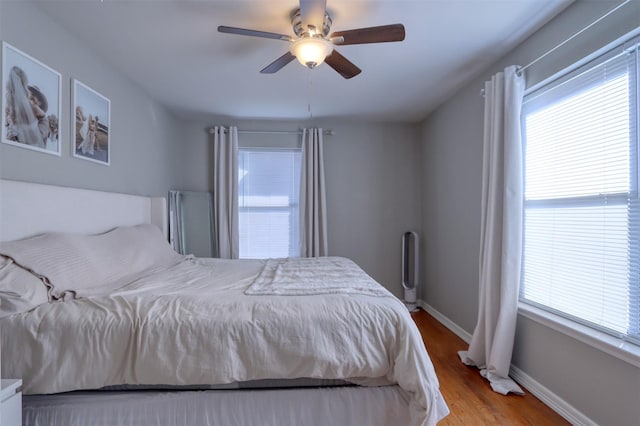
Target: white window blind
point(269, 187)
point(581, 254)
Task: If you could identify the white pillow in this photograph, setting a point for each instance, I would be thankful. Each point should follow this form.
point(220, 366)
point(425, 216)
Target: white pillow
point(88, 265)
point(20, 290)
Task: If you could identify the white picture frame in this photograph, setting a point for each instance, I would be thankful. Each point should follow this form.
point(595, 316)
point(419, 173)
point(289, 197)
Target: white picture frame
point(31, 102)
point(91, 123)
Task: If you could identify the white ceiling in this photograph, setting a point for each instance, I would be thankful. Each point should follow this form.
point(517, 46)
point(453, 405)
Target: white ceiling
point(172, 49)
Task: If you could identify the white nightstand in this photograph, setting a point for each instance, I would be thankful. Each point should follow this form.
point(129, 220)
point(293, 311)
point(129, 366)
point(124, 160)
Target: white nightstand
point(11, 400)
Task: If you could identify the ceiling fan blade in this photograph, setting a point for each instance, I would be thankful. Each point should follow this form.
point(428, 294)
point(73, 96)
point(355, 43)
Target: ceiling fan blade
point(382, 34)
point(253, 33)
point(312, 12)
point(342, 65)
point(278, 64)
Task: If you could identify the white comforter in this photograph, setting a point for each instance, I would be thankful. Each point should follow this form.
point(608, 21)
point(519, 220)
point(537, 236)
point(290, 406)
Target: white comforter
point(194, 324)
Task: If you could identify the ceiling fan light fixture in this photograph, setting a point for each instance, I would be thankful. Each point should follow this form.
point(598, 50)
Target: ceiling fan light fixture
point(311, 51)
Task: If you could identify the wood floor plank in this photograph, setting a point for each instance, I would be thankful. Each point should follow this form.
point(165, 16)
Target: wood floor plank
point(469, 396)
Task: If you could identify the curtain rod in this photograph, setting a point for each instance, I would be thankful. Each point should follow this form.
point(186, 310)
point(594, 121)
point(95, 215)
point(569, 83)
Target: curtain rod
point(558, 46)
point(274, 132)
point(548, 52)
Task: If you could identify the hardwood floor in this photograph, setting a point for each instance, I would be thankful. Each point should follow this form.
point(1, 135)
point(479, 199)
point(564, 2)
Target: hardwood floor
point(469, 396)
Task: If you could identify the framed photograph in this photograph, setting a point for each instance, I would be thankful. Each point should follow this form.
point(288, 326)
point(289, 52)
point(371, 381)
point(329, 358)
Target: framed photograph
point(92, 115)
point(30, 102)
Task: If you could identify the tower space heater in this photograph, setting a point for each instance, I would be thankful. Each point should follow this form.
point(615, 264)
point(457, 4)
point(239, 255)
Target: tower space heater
point(410, 262)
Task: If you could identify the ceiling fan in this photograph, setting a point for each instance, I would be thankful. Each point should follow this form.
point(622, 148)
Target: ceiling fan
point(313, 44)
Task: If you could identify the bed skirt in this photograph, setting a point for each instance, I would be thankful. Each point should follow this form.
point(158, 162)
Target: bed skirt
point(352, 405)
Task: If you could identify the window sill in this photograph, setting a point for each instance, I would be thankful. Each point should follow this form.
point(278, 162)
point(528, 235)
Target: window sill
point(613, 346)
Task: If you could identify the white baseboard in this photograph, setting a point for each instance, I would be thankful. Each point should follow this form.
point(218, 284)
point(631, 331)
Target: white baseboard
point(553, 401)
point(452, 326)
point(557, 404)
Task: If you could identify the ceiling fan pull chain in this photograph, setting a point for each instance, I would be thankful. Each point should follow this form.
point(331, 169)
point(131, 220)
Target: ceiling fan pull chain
point(310, 93)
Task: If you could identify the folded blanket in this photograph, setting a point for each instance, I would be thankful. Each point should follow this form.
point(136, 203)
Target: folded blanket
point(314, 275)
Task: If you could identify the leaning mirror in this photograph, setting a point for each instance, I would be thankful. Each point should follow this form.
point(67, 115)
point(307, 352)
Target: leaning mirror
point(191, 226)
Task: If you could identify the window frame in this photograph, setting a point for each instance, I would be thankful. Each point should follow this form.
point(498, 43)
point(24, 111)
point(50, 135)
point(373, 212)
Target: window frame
point(622, 348)
point(273, 208)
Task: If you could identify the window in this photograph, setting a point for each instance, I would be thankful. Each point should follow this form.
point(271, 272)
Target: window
point(268, 192)
point(581, 253)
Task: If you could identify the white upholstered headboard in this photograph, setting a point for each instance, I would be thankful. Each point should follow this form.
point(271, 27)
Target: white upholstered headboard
point(28, 209)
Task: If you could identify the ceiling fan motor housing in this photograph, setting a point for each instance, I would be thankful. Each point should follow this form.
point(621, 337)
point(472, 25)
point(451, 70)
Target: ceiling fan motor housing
point(310, 30)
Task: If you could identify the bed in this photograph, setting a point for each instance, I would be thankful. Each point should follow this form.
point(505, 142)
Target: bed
point(117, 328)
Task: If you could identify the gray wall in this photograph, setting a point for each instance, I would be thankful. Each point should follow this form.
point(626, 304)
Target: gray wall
point(143, 134)
point(372, 190)
point(604, 388)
